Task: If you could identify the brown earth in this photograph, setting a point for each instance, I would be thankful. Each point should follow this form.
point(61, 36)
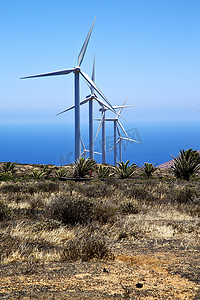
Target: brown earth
point(145, 266)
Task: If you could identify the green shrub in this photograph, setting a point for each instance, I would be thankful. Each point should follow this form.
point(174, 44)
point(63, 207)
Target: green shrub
point(125, 171)
point(186, 164)
point(149, 169)
point(88, 245)
point(83, 166)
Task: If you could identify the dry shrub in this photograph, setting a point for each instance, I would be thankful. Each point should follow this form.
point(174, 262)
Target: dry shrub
point(79, 210)
point(88, 245)
point(141, 193)
point(95, 189)
point(11, 187)
point(5, 211)
point(128, 207)
point(184, 195)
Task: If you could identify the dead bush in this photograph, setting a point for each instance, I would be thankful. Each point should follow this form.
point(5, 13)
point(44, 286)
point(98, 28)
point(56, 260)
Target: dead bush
point(79, 210)
point(184, 195)
point(88, 245)
point(5, 211)
point(128, 207)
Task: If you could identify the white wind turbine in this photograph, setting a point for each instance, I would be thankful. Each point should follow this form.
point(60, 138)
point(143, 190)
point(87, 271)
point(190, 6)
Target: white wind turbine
point(90, 98)
point(119, 141)
point(77, 70)
point(85, 150)
point(116, 121)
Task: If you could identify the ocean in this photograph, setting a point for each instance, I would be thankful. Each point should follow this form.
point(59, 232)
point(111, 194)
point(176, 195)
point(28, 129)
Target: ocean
point(54, 143)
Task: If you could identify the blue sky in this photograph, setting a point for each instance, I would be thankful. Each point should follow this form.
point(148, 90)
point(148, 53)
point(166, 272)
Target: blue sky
point(146, 50)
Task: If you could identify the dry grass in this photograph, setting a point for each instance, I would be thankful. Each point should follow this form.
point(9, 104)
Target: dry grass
point(121, 215)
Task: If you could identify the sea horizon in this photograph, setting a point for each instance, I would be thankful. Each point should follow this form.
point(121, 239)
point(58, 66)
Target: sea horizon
point(53, 143)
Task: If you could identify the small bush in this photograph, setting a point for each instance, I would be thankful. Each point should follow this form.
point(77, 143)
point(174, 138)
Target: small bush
point(184, 195)
point(80, 210)
point(128, 207)
point(5, 211)
point(88, 245)
point(140, 193)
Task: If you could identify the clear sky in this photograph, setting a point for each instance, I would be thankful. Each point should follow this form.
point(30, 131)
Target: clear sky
point(148, 50)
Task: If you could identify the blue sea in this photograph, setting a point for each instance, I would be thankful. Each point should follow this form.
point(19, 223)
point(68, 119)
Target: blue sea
point(54, 143)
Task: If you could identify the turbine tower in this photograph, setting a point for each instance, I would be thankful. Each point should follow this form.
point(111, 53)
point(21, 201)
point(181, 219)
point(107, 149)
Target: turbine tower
point(102, 124)
point(77, 71)
point(90, 98)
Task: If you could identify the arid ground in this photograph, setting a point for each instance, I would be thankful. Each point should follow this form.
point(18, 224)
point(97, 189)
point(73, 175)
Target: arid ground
point(135, 238)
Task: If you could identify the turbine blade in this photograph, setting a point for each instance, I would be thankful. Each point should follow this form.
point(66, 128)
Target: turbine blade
point(118, 131)
point(100, 124)
point(122, 106)
point(73, 106)
point(122, 128)
point(93, 76)
point(97, 153)
point(93, 70)
point(111, 149)
point(83, 145)
point(113, 146)
point(101, 103)
point(130, 140)
point(62, 72)
point(87, 78)
point(84, 47)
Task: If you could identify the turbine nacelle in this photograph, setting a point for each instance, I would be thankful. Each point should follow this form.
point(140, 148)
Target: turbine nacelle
point(77, 69)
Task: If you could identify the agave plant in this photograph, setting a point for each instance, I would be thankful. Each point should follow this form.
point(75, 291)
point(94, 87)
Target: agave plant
point(104, 172)
point(9, 167)
point(61, 173)
point(149, 169)
point(44, 173)
point(125, 171)
point(84, 166)
point(186, 164)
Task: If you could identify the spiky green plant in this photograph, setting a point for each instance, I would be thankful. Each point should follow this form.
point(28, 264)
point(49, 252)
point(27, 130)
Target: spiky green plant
point(44, 173)
point(104, 172)
point(149, 169)
point(9, 167)
point(61, 173)
point(186, 164)
point(84, 166)
point(125, 171)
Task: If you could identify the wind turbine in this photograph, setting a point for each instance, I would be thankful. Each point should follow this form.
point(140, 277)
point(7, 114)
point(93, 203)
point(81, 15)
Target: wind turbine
point(90, 98)
point(77, 70)
point(85, 150)
point(116, 121)
point(119, 141)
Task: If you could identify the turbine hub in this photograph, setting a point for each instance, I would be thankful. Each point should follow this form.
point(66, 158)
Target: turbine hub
point(77, 69)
